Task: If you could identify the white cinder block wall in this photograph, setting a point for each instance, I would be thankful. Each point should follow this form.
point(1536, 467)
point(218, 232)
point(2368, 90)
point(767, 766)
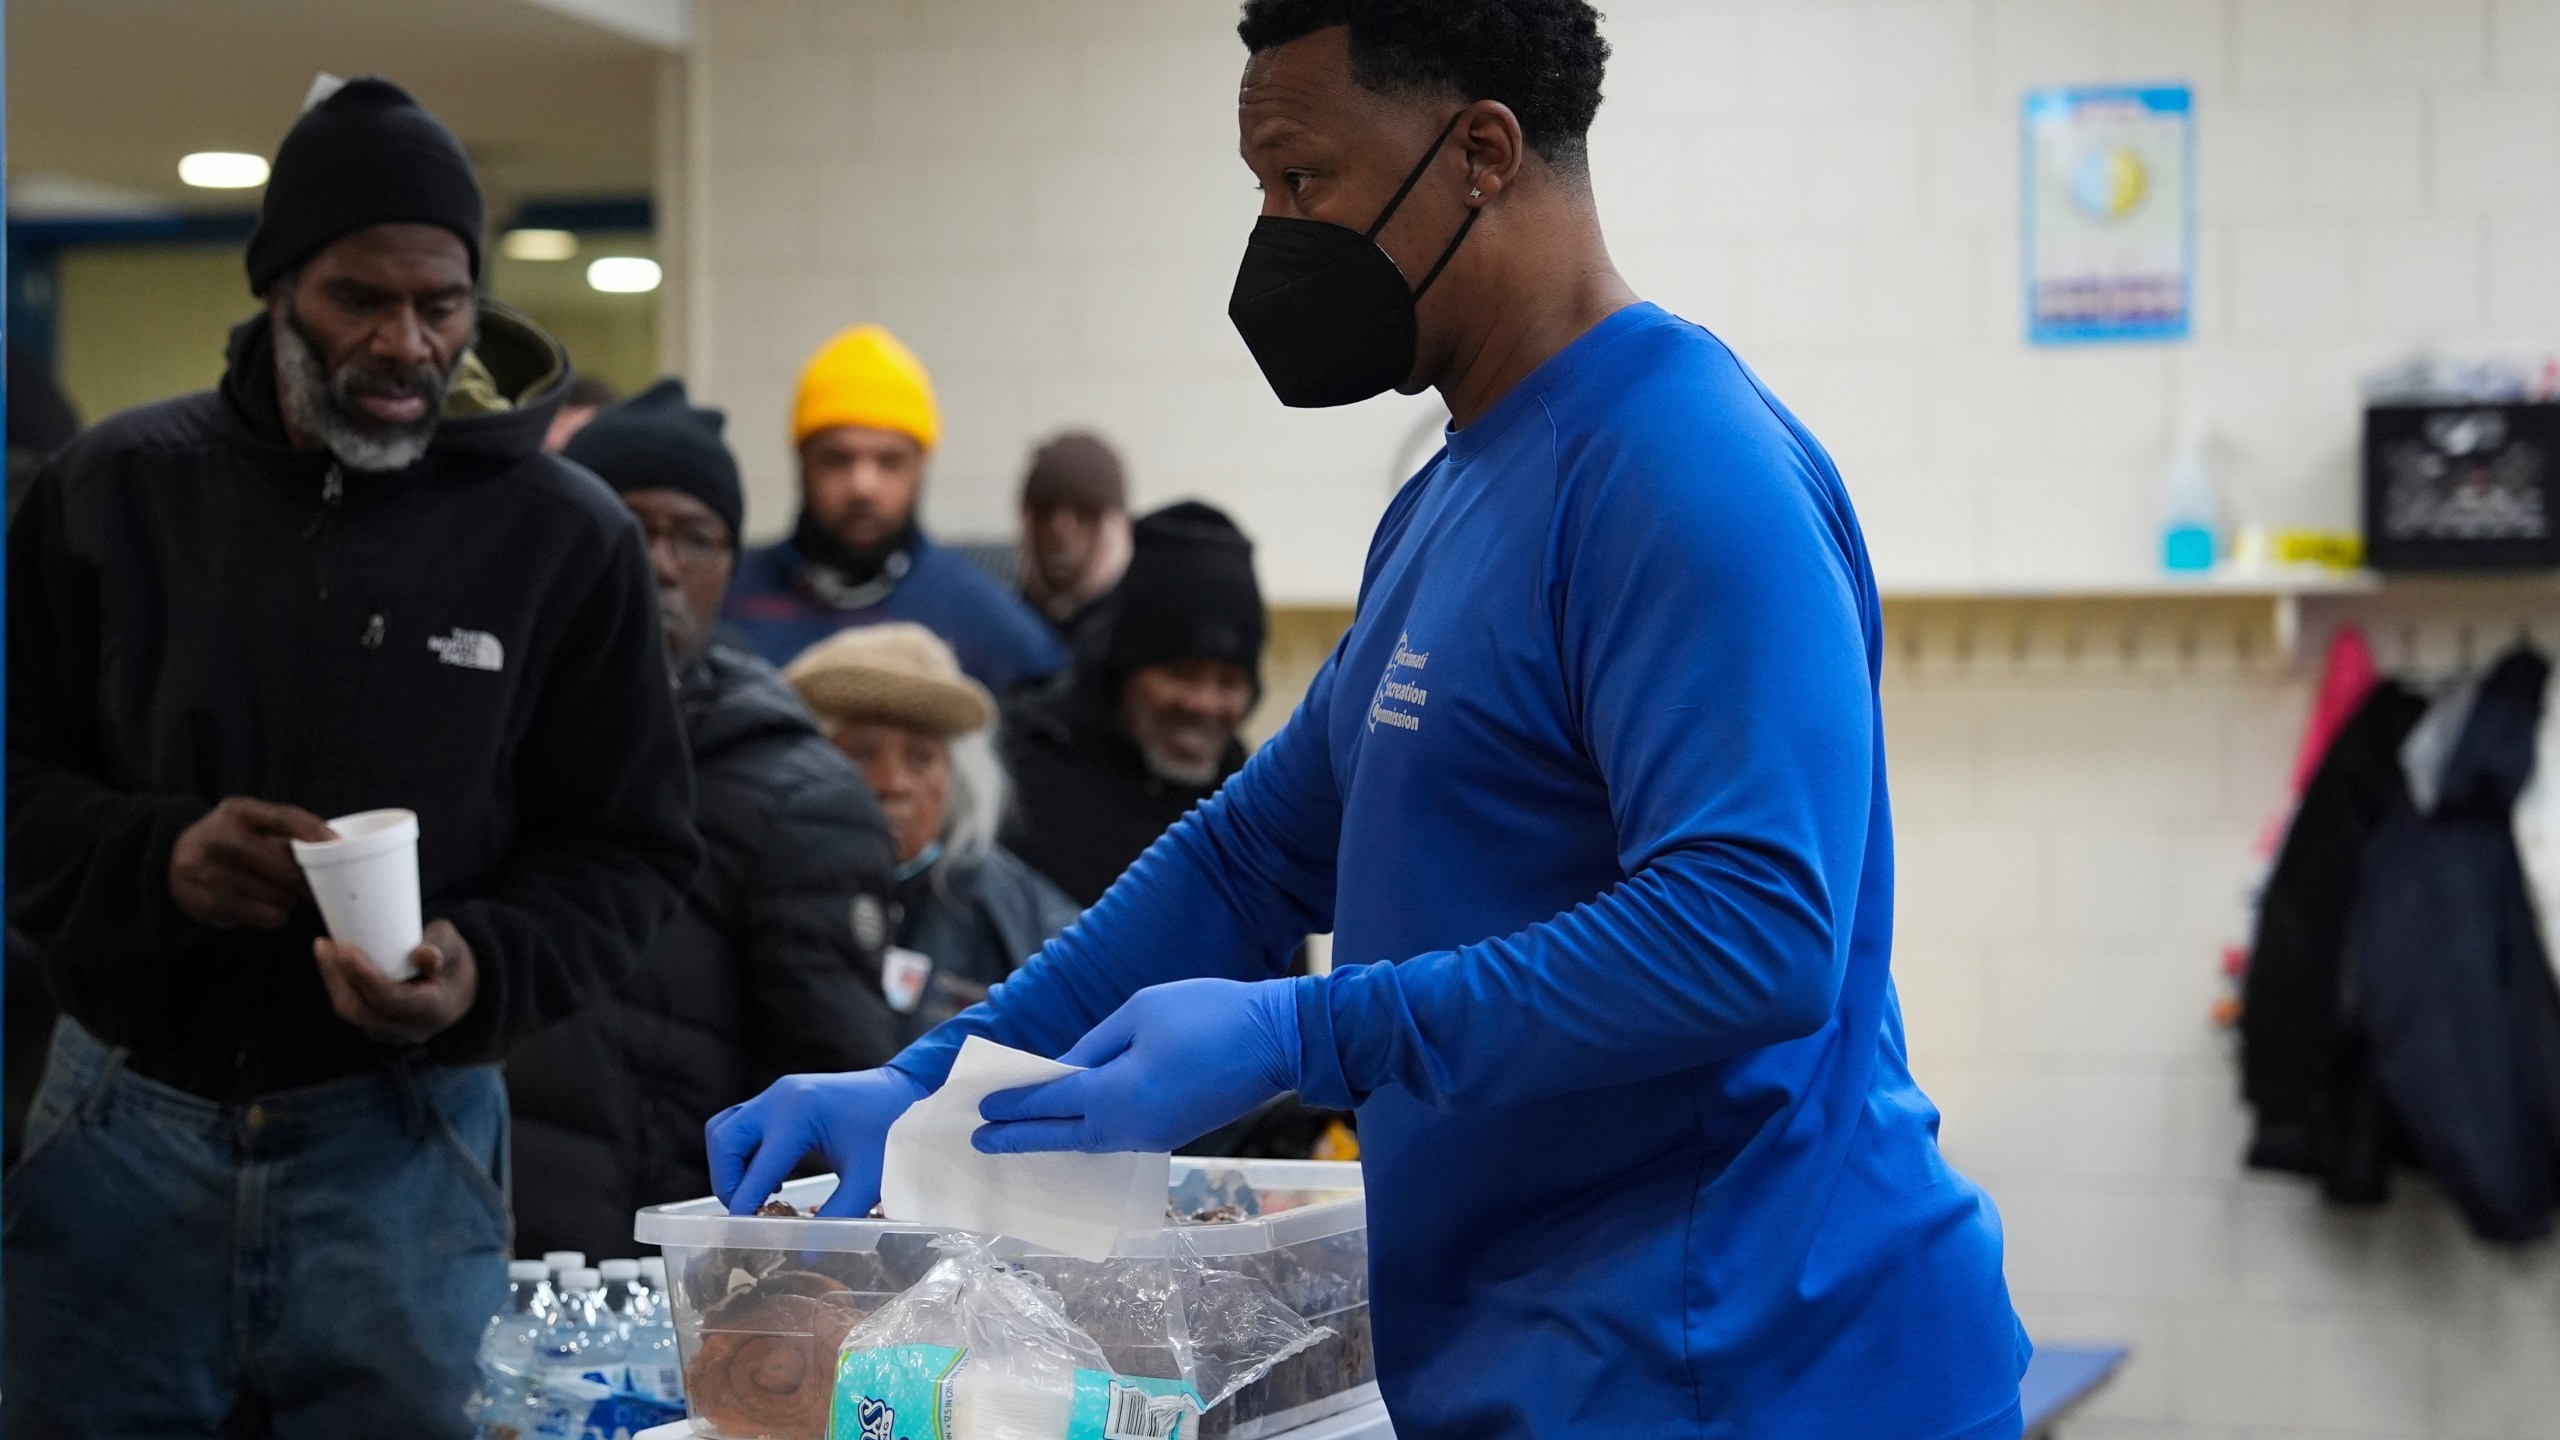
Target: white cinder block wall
point(2075, 849)
point(1042, 197)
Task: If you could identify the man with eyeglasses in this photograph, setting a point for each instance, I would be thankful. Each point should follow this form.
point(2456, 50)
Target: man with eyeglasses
point(773, 965)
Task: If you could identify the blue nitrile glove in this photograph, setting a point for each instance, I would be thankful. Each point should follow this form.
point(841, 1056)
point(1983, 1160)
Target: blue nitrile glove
point(843, 1117)
point(1174, 1063)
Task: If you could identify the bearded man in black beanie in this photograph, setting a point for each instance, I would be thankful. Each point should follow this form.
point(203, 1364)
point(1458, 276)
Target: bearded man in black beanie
point(773, 966)
point(264, 1183)
point(1104, 766)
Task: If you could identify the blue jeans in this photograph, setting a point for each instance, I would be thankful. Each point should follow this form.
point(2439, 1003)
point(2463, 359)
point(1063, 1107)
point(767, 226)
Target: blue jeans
point(319, 1263)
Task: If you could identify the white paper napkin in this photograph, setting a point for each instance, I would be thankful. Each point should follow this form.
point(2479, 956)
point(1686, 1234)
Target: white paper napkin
point(1074, 1204)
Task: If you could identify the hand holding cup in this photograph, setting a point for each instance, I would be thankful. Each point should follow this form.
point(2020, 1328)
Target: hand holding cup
point(235, 867)
point(442, 981)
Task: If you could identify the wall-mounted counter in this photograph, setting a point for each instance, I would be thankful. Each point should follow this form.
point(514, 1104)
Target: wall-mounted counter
point(2216, 624)
point(2219, 621)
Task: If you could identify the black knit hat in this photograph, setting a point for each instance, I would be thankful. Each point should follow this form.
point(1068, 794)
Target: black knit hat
point(1189, 593)
point(366, 155)
point(1078, 469)
point(660, 440)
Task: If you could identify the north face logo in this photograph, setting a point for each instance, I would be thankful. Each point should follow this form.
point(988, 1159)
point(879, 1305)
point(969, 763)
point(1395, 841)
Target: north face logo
point(470, 649)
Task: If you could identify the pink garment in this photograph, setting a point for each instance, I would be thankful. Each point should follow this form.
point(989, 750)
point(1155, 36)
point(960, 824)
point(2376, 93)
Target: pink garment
point(2347, 676)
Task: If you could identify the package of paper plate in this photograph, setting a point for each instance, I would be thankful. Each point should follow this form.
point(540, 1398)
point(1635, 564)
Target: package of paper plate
point(981, 1349)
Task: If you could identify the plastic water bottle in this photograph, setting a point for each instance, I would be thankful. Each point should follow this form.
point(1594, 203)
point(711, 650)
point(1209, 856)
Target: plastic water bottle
point(565, 1409)
point(557, 1263)
point(653, 1274)
point(621, 1280)
point(512, 1332)
point(508, 1412)
point(655, 1367)
point(581, 1342)
point(506, 1405)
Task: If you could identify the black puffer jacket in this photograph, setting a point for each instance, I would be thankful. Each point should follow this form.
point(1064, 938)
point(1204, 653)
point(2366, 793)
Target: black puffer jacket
point(772, 967)
point(199, 609)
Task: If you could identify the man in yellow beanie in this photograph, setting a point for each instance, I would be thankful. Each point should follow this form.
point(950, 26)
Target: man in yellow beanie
point(865, 423)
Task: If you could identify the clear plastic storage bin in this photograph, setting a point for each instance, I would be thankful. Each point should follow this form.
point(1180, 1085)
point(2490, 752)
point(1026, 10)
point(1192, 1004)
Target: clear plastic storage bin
point(763, 1302)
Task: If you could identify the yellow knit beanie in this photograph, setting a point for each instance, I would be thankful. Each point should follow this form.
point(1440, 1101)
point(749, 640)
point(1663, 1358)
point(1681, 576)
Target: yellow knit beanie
point(865, 377)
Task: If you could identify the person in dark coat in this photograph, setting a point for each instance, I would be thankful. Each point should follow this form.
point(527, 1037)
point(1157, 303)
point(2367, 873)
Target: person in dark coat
point(41, 418)
point(41, 421)
point(264, 1184)
point(773, 965)
point(1075, 537)
point(968, 913)
point(1105, 764)
point(586, 399)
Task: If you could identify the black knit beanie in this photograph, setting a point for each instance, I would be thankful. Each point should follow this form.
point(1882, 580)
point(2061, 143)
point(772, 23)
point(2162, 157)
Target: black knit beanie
point(366, 155)
point(1189, 594)
point(660, 440)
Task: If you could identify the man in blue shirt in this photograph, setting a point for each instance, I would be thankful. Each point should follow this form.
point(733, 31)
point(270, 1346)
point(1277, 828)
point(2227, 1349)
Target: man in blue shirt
point(865, 422)
point(1592, 797)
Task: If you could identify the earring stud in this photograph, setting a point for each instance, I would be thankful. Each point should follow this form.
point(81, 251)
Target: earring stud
point(1475, 194)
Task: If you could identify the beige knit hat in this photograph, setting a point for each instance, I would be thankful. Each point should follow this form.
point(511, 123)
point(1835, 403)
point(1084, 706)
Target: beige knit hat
point(898, 672)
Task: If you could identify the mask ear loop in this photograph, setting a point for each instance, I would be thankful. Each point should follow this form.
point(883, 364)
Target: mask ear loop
point(1371, 234)
point(1449, 254)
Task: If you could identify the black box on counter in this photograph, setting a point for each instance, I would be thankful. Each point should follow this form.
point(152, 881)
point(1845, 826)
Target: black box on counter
point(2462, 486)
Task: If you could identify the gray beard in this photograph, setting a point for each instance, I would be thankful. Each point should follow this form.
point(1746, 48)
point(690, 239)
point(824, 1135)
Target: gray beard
point(1166, 768)
point(314, 409)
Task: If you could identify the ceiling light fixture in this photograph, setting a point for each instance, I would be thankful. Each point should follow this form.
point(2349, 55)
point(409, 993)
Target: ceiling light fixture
point(223, 170)
point(538, 245)
point(623, 274)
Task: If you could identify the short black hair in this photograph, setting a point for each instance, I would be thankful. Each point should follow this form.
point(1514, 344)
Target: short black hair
point(1543, 58)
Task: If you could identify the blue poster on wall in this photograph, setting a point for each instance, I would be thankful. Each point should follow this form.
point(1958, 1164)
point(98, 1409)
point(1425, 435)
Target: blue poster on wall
point(2109, 248)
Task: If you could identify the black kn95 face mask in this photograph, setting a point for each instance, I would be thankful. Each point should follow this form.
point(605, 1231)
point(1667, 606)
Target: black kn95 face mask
point(1325, 311)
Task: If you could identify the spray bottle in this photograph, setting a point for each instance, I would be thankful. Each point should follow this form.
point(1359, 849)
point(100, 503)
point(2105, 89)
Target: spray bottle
point(2190, 507)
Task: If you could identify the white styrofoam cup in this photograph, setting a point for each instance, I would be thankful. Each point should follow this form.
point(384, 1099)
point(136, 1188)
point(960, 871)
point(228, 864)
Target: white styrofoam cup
point(366, 881)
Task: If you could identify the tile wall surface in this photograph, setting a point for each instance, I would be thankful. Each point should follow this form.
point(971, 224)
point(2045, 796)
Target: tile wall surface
point(1043, 197)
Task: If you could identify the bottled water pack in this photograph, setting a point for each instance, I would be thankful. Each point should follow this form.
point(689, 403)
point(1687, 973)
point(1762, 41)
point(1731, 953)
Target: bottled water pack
point(579, 1353)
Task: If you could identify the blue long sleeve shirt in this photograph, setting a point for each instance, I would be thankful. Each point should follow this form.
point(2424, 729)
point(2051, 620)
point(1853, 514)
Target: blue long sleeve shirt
point(1592, 796)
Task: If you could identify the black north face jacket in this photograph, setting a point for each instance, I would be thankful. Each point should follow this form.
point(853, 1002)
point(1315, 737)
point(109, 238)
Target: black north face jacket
point(197, 609)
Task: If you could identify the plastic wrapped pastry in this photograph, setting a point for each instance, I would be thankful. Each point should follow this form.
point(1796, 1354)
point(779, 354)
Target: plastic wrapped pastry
point(767, 1358)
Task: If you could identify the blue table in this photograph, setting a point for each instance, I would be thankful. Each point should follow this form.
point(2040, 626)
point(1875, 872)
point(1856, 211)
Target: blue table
point(2059, 1379)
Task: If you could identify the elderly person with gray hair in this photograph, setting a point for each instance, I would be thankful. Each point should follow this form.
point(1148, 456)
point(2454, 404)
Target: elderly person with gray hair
point(892, 697)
